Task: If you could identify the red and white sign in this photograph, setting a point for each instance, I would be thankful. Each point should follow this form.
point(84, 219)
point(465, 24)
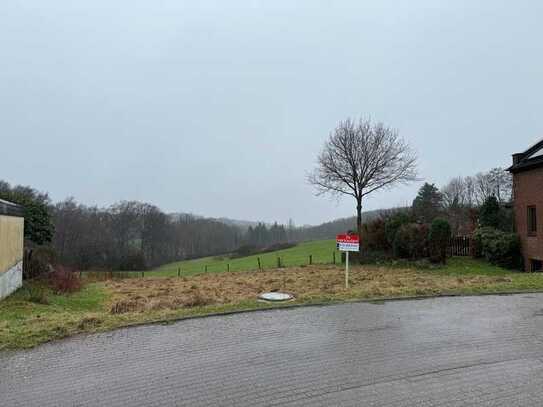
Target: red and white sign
point(348, 243)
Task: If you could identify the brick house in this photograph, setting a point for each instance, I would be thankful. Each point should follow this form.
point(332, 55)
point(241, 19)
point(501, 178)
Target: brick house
point(527, 170)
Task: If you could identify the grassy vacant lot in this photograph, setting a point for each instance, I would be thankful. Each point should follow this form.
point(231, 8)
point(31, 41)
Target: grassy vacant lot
point(100, 306)
point(321, 251)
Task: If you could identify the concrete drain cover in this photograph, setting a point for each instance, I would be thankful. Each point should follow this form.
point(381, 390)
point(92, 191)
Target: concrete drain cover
point(275, 297)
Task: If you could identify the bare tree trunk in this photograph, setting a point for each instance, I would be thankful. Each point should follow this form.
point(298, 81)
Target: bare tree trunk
point(359, 218)
point(359, 227)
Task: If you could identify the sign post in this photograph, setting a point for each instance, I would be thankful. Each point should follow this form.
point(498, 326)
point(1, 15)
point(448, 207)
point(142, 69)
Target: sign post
point(346, 269)
point(347, 243)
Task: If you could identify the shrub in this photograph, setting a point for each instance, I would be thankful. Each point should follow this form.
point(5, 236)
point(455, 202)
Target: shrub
point(63, 280)
point(493, 215)
point(393, 224)
point(38, 261)
point(439, 237)
point(374, 235)
point(482, 238)
point(411, 241)
point(489, 215)
point(497, 247)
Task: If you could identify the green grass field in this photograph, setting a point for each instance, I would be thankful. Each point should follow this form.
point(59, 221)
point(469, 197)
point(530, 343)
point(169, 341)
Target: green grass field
point(322, 252)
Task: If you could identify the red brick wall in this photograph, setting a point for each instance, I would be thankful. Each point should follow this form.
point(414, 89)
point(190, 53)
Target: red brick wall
point(528, 190)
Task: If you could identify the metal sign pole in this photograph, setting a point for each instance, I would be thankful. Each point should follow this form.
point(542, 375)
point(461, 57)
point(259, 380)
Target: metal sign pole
point(347, 269)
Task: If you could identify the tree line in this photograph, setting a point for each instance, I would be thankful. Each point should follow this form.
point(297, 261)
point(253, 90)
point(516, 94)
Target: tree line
point(132, 235)
point(461, 199)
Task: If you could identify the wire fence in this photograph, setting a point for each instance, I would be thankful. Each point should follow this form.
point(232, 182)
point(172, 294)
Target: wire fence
point(458, 246)
point(252, 263)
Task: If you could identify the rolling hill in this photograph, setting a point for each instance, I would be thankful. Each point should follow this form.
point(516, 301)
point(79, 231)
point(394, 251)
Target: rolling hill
point(322, 252)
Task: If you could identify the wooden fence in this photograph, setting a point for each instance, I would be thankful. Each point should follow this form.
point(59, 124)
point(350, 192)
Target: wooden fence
point(461, 246)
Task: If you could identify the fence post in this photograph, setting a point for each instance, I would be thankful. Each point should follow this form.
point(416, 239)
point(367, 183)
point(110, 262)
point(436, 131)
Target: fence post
point(310, 259)
point(178, 271)
point(142, 274)
point(334, 257)
point(205, 268)
point(279, 262)
point(228, 267)
point(259, 264)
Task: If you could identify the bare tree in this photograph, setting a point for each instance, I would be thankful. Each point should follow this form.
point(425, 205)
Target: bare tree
point(502, 182)
point(469, 184)
point(484, 187)
point(455, 193)
point(457, 199)
point(496, 182)
point(361, 158)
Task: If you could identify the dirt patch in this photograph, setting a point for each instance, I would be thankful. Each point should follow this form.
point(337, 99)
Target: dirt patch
point(139, 295)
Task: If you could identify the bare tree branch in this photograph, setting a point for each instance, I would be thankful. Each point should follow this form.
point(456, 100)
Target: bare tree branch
point(361, 158)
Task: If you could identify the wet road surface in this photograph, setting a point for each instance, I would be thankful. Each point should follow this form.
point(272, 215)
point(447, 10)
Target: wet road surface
point(470, 351)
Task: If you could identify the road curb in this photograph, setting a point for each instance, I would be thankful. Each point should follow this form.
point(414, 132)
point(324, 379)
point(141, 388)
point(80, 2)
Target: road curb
point(274, 307)
point(287, 306)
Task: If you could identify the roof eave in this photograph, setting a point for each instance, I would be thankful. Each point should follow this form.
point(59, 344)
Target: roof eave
point(526, 166)
point(11, 209)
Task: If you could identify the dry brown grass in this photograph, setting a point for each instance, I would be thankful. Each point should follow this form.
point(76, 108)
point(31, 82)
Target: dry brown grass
point(140, 295)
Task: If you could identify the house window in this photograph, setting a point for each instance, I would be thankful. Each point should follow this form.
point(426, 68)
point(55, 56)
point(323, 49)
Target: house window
point(532, 221)
point(535, 265)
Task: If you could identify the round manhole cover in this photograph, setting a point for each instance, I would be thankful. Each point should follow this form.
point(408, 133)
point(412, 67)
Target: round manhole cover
point(275, 296)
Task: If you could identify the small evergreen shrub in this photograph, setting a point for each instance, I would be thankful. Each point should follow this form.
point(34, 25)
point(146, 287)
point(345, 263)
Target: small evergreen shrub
point(493, 215)
point(489, 215)
point(393, 224)
point(411, 241)
point(439, 238)
point(38, 261)
point(497, 247)
point(374, 235)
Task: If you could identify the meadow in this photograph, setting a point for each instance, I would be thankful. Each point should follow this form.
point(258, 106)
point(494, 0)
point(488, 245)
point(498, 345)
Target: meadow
point(35, 314)
point(321, 252)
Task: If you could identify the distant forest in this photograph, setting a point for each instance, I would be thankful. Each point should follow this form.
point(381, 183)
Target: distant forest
point(131, 235)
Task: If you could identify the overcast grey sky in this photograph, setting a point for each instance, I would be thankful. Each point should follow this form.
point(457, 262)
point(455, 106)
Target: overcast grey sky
point(220, 107)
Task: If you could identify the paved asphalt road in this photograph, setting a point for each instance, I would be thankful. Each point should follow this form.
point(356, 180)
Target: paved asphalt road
point(476, 351)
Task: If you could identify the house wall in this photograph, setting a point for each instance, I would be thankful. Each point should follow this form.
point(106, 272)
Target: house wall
point(528, 190)
point(11, 254)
